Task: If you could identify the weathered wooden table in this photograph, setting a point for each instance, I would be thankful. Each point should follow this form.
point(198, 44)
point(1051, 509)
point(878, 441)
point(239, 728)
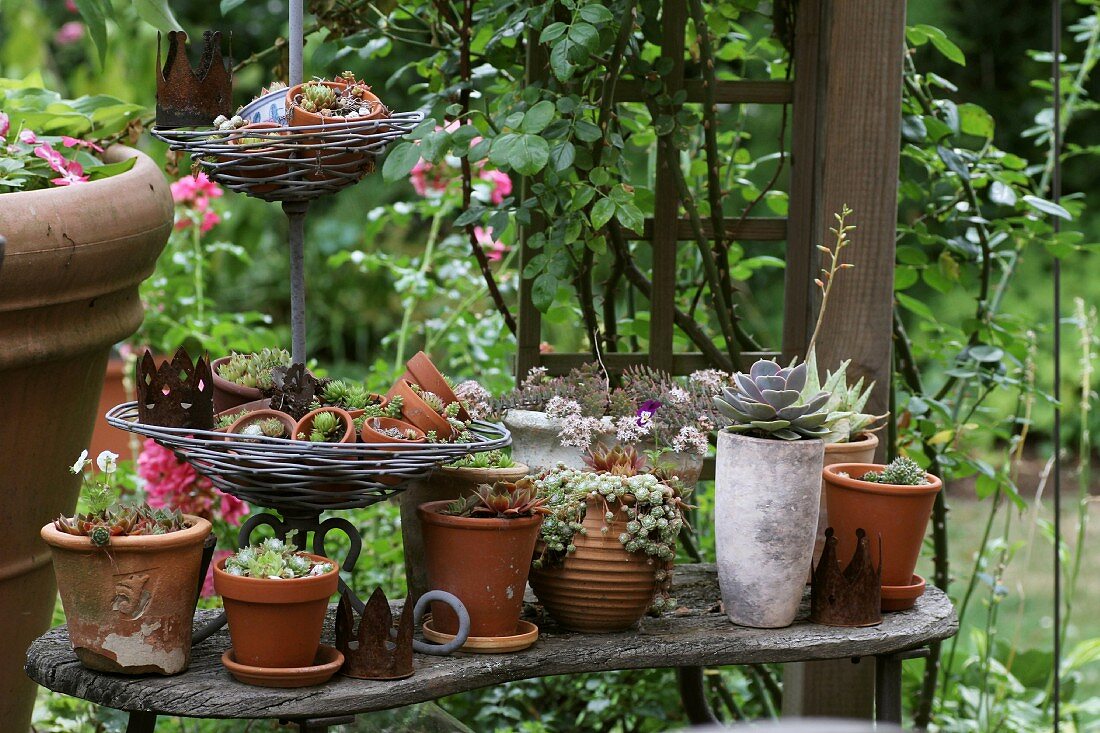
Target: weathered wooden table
point(698, 635)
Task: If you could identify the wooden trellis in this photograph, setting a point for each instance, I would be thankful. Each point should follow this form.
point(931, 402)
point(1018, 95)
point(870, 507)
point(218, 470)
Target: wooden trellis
point(844, 97)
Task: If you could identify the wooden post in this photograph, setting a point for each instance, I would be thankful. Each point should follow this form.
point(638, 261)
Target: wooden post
point(850, 157)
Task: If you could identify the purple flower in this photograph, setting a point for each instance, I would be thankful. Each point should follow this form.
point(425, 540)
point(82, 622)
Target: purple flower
point(645, 412)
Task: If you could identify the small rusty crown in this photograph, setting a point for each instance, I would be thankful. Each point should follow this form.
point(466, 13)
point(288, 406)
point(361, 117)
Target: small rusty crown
point(177, 394)
point(851, 597)
point(374, 651)
point(190, 98)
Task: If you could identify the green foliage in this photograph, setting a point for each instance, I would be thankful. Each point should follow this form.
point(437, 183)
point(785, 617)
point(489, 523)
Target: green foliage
point(254, 370)
point(274, 559)
point(902, 471)
point(485, 459)
point(846, 420)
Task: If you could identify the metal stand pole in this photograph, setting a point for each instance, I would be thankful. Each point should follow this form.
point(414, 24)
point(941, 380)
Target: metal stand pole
point(297, 40)
point(296, 214)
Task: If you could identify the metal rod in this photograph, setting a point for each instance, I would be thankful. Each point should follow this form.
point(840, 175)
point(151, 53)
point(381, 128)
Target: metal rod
point(296, 214)
point(1056, 433)
point(297, 40)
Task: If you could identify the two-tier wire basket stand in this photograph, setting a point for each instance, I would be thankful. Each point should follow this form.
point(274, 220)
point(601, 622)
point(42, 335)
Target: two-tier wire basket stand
point(301, 481)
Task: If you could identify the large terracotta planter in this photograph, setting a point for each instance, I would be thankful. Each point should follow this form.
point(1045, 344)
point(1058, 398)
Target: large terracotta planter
point(445, 484)
point(68, 291)
point(599, 587)
point(898, 515)
point(766, 497)
point(482, 561)
point(275, 623)
point(855, 451)
point(129, 606)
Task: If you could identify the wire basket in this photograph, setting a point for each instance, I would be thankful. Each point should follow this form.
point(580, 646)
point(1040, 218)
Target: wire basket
point(303, 477)
point(297, 163)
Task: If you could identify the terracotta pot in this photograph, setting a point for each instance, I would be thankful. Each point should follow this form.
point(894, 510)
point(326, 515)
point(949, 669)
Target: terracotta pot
point(599, 587)
point(350, 162)
point(484, 562)
point(261, 404)
point(902, 597)
point(228, 395)
point(256, 168)
point(418, 412)
point(896, 514)
point(445, 484)
point(422, 371)
point(535, 440)
point(305, 425)
point(370, 435)
point(129, 605)
point(855, 451)
point(766, 497)
point(276, 623)
point(75, 256)
point(263, 414)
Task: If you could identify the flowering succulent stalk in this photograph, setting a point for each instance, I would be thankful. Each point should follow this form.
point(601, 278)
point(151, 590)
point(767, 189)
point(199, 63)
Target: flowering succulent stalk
point(767, 402)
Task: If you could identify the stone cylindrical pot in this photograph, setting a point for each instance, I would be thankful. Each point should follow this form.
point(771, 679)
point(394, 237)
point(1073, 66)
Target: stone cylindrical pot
point(535, 440)
point(896, 515)
point(482, 561)
point(599, 587)
point(854, 451)
point(129, 605)
point(276, 624)
point(766, 497)
point(445, 484)
point(68, 290)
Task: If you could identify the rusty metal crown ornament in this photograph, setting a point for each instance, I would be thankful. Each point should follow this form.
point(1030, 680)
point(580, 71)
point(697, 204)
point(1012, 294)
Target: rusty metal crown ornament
point(848, 597)
point(377, 651)
point(177, 394)
point(187, 97)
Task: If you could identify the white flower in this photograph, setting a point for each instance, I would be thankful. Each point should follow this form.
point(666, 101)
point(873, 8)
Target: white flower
point(577, 430)
point(78, 467)
point(710, 379)
point(107, 461)
point(678, 395)
point(559, 407)
point(690, 440)
point(631, 430)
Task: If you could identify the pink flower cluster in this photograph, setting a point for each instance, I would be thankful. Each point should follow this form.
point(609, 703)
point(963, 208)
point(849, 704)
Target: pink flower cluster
point(194, 193)
point(172, 483)
point(70, 171)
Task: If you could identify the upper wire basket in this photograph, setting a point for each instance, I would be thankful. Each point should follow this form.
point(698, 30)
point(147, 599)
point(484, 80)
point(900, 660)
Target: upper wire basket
point(305, 477)
point(297, 163)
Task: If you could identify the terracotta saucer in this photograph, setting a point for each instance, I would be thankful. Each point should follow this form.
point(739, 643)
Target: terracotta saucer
point(327, 662)
point(902, 597)
point(526, 635)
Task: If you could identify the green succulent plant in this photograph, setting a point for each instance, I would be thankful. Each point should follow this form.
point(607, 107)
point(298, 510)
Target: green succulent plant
point(501, 500)
point(270, 427)
point(485, 459)
point(274, 559)
point(901, 471)
point(254, 370)
point(348, 395)
point(768, 402)
point(327, 428)
point(225, 420)
point(316, 96)
point(846, 418)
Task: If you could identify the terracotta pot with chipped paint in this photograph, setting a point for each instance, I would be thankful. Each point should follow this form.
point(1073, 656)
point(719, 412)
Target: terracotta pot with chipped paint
point(75, 256)
point(599, 587)
point(766, 498)
point(129, 605)
point(482, 561)
point(446, 484)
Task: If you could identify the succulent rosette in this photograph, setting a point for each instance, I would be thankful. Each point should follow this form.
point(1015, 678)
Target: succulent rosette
point(768, 401)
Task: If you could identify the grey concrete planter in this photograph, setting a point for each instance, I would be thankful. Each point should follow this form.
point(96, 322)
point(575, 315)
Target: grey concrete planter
point(535, 440)
point(766, 496)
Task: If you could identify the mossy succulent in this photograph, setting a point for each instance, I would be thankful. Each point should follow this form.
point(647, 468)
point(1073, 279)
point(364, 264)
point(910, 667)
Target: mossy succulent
point(254, 370)
point(274, 559)
point(902, 471)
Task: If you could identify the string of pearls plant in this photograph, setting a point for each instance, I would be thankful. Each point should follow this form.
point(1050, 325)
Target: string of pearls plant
point(653, 512)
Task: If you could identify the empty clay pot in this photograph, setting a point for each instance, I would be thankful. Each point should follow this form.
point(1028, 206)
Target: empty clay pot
point(418, 412)
point(766, 497)
point(305, 425)
point(422, 370)
point(370, 432)
point(482, 561)
point(896, 514)
point(599, 587)
point(276, 623)
point(129, 605)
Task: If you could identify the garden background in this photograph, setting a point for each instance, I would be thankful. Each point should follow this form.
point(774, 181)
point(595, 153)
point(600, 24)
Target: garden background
point(392, 269)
